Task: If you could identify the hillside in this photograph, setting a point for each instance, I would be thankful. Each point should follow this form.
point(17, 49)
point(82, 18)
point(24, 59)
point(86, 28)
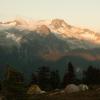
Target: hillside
point(28, 44)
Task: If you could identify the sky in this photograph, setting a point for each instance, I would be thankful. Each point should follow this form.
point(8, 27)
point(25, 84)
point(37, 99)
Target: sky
point(81, 13)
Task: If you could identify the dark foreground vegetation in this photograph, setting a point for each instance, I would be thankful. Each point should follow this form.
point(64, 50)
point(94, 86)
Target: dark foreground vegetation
point(14, 86)
point(88, 95)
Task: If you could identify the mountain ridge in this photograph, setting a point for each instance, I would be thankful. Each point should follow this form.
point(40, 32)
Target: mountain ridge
point(58, 26)
point(28, 45)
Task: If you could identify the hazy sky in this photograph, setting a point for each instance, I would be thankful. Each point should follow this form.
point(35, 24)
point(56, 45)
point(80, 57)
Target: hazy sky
point(76, 12)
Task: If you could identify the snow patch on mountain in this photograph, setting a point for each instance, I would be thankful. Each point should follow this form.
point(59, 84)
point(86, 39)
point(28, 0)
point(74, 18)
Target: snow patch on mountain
point(13, 37)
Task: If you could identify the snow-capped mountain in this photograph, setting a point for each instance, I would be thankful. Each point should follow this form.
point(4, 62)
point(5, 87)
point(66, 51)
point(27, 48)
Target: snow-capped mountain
point(27, 44)
point(57, 26)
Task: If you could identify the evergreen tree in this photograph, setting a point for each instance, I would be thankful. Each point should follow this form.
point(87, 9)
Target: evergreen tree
point(0, 85)
point(34, 79)
point(55, 79)
point(14, 81)
point(92, 75)
point(44, 77)
point(69, 76)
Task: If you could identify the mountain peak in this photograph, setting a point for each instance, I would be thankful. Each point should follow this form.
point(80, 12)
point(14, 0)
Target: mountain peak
point(57, 23)
point(17, 22)
point(43, 29)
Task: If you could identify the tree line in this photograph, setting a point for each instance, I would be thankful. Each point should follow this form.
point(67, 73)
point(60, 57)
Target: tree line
point(47, 79)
